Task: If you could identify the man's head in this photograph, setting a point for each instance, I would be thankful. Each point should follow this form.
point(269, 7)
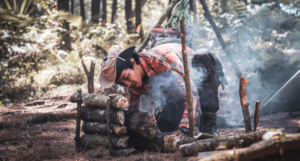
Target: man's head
point(122, 67)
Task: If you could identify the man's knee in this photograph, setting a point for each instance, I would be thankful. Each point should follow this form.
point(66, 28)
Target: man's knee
point(204, 57)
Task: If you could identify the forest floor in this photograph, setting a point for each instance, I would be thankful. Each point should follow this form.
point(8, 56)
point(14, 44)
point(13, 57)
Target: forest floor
point(55, 140)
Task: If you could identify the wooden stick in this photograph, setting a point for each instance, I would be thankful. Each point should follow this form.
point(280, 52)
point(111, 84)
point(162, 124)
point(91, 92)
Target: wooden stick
point(195, 28)
point(160, 21)
point(220, 38)
point(245, 105)
point(108, 123)
point(256, 116)
point(77, 134)
point(187, 80)
point(242, 140)
point(89, 75)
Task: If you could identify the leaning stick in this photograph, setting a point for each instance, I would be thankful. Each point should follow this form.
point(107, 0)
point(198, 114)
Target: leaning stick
point(77, 134)
point(256, 116)
point(89, 75)
point(187, 80)
point(108, 123)
point(160, 21)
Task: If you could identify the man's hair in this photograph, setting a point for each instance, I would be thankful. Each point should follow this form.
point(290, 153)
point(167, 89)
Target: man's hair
point(136, 58)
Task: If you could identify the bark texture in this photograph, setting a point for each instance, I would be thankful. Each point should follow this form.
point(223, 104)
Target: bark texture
point(102, 140)
point(98, 101)
point(242, 140)
point(140, 123)
point(99, 115)
point(259, 151)
point(42, 118)
point(101, 128)
point(200, 136)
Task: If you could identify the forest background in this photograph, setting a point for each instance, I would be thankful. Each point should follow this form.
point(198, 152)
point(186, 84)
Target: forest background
point(43, 41)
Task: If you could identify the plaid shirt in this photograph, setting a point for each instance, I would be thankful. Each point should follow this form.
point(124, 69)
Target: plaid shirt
point(157, 61)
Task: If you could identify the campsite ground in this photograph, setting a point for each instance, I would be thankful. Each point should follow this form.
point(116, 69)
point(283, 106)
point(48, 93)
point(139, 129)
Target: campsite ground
point(54, 140)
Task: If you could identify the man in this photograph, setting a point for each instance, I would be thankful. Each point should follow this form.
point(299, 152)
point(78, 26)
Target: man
point(149, 73)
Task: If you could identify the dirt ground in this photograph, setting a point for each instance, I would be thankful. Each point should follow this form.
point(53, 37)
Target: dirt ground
point(54, 140)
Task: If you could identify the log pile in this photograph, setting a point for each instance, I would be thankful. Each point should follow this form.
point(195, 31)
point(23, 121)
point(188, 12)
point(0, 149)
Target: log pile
point(95, 114)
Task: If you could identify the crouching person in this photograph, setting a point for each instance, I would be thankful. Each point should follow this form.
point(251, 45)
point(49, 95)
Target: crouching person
point(148, 73)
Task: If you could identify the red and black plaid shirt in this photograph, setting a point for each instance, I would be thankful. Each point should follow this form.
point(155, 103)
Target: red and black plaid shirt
point(156, 61)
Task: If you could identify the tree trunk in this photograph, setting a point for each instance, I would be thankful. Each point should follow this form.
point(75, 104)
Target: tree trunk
point(89, 75)
point(140, 123)
point(72, 6)
point(99, 115)
point(95, 11)
point(114, 11)
point(103, 12)
point(82, 10)
point(42, 118)
point(101, 128)
point(128, 14)
point(102, 140)
point(98, 101)
point(63, 5)
point(138, 18)
point(230, 141)
point(263, 150)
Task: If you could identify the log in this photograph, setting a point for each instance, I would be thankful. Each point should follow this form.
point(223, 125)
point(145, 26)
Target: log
point(89, 75)
point(108, 124)
point(162, 142)
point(77, 132)
point(102, 140)
point(140, 123)
point(98, 101)
point(43, 118)
point(122, 152)
point(99, 115)
point(263, 150)
point(200, 136)
point(230, 141)
point(101, 128)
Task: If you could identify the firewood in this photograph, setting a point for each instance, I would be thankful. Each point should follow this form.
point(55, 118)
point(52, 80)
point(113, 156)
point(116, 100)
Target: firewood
point(101, 128)
point(98, 101)
point(140, 123)
point(259, 151)
point(242, 140)
point(200, 136)
point(102, 140)
point(42, 118)
point(99, 115)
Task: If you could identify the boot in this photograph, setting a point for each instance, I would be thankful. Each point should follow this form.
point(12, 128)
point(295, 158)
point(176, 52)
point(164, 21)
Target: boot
point(210, 123)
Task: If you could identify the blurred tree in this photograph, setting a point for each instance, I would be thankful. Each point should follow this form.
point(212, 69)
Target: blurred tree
point(63, 5)
point(129, 15)
point(104, 12)
point(114, 11)
point(72, 6)
point(138, 18)
point(82, 11)
point(95, 11)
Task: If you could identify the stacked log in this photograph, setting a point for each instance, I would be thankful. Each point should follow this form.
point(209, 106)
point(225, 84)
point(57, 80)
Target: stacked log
point(94, 114)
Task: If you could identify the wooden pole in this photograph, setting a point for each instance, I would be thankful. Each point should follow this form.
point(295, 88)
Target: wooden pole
point(220, 38)
point(256, 116)
point(108, 124)
point(194, 43)
point(160, 21)
point(187, 82)
point(89, 75)
point(77, 133)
